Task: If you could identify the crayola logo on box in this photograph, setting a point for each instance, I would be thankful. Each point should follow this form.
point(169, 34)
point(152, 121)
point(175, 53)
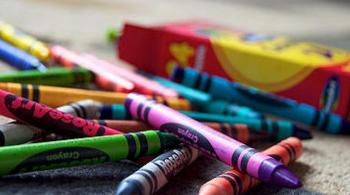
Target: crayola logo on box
point(298, 70)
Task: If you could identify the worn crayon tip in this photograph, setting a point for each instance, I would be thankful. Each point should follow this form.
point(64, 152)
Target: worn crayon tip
point(127, 188)
point(284, 178)
point(301, 133)
point(212, 189)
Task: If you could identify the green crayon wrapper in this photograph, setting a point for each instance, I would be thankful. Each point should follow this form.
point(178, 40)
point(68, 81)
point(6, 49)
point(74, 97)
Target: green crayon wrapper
point(82, 151)
point(53, 76)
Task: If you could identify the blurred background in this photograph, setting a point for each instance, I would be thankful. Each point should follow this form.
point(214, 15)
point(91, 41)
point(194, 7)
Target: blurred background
point(81, 25)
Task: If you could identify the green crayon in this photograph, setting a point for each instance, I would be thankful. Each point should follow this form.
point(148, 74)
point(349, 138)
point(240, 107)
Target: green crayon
point(82, 151)
point(53, 76)
point(112, 34)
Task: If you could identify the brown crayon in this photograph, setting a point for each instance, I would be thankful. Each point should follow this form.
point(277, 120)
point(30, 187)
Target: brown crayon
point(58, 96)
point(49, 119)
point(240, 132)
point(235, 182)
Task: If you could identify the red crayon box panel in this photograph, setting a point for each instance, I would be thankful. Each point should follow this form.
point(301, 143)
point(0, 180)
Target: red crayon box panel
point(307, 72)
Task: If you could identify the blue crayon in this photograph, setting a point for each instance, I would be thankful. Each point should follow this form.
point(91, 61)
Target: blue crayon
point(261, 101)
point(277, 129)
point(18, 58)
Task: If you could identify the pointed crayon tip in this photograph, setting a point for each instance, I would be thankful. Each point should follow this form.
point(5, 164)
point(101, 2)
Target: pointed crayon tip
point(284, 178)
point(301, 133)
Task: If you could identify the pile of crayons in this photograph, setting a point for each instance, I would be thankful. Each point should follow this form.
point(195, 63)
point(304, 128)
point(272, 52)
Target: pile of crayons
point(60, 122)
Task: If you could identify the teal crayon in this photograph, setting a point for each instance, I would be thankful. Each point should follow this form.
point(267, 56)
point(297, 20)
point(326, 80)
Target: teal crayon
point(234, 92)
point(227, 108)
point(82, 151)
point(278, 129)
point(56, 76)
point(196, 97)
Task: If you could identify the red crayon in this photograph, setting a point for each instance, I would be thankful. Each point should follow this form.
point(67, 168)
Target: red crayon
point(49, 119)
point(104, 78)
point(143, 84)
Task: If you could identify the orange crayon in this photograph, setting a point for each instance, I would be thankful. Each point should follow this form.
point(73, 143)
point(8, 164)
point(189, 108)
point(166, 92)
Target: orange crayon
point(235, 182)
point(58, 96)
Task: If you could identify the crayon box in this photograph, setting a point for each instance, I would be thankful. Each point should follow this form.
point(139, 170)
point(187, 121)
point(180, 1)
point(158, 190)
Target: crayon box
point(307, 72)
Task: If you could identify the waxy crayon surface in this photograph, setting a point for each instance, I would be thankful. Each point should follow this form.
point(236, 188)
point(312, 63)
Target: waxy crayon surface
point(18, 58)
point(143, 84)
point(155, 174)
point(82, 151)
point(58, 96)
point(278, 130)
point(211, 142)
point(262, 101)
point(240, 132)
point(235, 182)
point(17, 133)
point(53, 76)
point(104, 78)
point(47, 118)
point(24, 41)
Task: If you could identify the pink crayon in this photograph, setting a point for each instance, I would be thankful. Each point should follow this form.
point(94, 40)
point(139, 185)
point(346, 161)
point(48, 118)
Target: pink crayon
point(211, 142)
point(143, 84)
point(49, 119)
point(105, 79)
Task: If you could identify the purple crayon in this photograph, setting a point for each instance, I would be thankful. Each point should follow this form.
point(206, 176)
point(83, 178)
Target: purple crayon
point(211, 142)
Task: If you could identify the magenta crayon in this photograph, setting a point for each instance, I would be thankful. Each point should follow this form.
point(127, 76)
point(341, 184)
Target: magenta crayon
point(211, 142)
point(70, 59)
point(143, 84)
point(49, 119)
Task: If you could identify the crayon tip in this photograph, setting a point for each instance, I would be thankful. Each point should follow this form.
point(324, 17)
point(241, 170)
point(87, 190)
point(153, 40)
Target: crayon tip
point(41, 67)
point(212, 189)
point(301, 133)
point(127, 188)
point(284, 178)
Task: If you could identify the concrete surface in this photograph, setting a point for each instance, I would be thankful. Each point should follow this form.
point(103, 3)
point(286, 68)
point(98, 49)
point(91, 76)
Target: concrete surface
point(80, 25)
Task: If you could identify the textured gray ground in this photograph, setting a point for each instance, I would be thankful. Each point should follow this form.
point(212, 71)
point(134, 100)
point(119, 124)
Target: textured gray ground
point(324, 166)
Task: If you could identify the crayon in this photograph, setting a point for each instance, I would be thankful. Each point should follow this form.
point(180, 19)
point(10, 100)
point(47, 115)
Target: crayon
point(49, 119)
point(82, 151)
point(278, 130)
point(196, 97)
point(58, 96)
point(17, 133)
point(143, 84)
point(235, 182)
point(105, 79)
point(262, 101)
point(240, 132)
point(227, 108)
point(24, 41)
point(155, 174)
point(53, 76)
point(211, 142)
point(18, 58)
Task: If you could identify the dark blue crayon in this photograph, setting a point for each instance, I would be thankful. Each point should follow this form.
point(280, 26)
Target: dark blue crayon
point(277, 129)
point(265, 102)
point(18, 58)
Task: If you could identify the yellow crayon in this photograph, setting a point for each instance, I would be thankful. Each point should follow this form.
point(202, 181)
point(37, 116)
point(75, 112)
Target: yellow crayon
point(23, 41)
point(58, 96)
